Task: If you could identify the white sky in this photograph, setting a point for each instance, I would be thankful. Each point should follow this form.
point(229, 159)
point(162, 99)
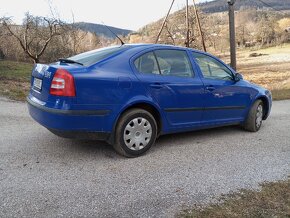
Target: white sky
point(128, 14)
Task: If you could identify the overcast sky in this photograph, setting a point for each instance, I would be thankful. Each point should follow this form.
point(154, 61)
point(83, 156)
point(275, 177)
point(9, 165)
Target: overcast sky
point(128, 14)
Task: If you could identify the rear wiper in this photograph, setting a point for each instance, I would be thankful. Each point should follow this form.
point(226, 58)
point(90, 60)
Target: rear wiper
point(69, 61)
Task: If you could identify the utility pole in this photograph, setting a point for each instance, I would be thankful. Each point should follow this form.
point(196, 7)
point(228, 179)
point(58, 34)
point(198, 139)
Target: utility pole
point(199, 26)
point(187, 25)
point(187, 42)
point(164, 21)
point(232, 33)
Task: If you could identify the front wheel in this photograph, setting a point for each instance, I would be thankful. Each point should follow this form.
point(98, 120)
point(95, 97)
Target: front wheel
point(255, 117)
point(135, 133)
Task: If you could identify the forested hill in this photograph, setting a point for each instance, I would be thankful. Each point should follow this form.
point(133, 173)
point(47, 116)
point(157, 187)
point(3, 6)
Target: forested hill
point(102, 30)
point(220, 5)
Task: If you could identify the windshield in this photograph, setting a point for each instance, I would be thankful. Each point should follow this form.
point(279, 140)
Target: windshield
point(92, 57)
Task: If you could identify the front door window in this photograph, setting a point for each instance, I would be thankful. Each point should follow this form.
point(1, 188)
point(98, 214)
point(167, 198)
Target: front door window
point(211, 68)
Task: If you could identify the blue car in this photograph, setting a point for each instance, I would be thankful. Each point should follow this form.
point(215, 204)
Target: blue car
point(129, 95)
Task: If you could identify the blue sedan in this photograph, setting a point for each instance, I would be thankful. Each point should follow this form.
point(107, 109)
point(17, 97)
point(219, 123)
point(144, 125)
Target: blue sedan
point(129, 95)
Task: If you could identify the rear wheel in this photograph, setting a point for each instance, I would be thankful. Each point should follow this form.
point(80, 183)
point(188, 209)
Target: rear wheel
point(255, 117)
point(135, 133)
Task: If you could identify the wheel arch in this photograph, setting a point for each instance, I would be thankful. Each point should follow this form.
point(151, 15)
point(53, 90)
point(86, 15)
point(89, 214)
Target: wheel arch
point(145, 105)
point(266, 105)
point(151, 109)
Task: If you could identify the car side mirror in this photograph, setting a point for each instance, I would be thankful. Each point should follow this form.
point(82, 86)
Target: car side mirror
point(238, 77)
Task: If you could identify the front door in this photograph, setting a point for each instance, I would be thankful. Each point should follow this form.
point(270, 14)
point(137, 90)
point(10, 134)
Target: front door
point(225, 99)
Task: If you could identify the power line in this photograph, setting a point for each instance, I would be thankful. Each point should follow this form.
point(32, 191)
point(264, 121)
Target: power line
point(270, 6)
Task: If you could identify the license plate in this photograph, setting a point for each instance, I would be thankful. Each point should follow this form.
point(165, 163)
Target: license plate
point(37, 84)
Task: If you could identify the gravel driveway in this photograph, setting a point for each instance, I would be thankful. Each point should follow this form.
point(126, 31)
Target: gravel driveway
point(42, 175)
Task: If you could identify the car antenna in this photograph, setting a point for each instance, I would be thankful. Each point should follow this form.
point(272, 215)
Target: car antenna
point(114, 33)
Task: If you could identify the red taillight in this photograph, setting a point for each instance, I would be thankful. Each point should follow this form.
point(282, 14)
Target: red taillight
point(62, 84)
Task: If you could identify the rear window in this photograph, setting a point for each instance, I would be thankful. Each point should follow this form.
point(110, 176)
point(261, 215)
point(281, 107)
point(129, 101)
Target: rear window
point(92, 57)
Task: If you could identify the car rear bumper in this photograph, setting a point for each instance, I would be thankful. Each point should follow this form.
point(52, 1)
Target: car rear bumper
point(104, 136)
point(87, 124)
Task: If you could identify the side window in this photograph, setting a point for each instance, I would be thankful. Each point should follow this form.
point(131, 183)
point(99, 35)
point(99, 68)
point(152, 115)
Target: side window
point(211, 68)
point(147, 63)
point(174, 63)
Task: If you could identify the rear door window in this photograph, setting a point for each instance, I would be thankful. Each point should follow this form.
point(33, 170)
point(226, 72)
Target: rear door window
point(147, 64)
point(174, 63)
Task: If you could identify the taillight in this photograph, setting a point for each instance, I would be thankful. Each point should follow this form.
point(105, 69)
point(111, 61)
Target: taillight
point(62, 84)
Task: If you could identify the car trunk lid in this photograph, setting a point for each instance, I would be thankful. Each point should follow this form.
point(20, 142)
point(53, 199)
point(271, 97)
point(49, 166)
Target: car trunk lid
point(42, 79)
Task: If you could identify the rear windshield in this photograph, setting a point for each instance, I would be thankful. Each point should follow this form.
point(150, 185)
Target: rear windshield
point(91, 57)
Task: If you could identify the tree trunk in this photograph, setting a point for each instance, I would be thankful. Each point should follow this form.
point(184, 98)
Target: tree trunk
point(35, 60)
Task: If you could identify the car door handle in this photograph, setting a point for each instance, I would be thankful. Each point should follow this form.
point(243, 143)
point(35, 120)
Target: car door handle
point(156, 85)
point(210, 88)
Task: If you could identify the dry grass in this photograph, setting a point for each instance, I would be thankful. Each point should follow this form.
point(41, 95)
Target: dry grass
point(273, 200)
point(15, 79)
point(271, 76)
point(270, 70)
point(15, 90)
point(281, 94)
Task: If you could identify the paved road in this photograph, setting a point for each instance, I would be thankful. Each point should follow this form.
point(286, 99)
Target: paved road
point(42, 175)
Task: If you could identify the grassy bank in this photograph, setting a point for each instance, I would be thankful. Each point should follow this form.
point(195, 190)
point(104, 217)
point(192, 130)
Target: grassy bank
point(273, 200)
point(15, 79)
point(281, 94)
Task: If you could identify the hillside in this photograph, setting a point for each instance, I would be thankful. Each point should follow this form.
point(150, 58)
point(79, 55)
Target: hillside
point(101, 30)
point(255, 26)
point(220, 6)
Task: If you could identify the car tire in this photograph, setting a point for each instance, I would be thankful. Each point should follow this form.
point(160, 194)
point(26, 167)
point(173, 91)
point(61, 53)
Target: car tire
point(135, 133)
point(255, 117)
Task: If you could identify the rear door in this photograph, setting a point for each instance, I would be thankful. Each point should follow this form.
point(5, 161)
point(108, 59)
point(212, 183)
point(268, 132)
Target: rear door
point(171, 81)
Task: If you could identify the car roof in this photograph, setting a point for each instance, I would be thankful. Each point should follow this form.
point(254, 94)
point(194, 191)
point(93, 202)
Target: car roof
point(143, 46)
point(149, 45)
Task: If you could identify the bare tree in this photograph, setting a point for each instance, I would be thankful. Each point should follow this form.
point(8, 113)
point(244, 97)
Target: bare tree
point(77, 37)
point(35, 34)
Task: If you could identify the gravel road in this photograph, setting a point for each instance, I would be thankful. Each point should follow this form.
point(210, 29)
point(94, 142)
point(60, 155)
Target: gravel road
point(42, 175)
